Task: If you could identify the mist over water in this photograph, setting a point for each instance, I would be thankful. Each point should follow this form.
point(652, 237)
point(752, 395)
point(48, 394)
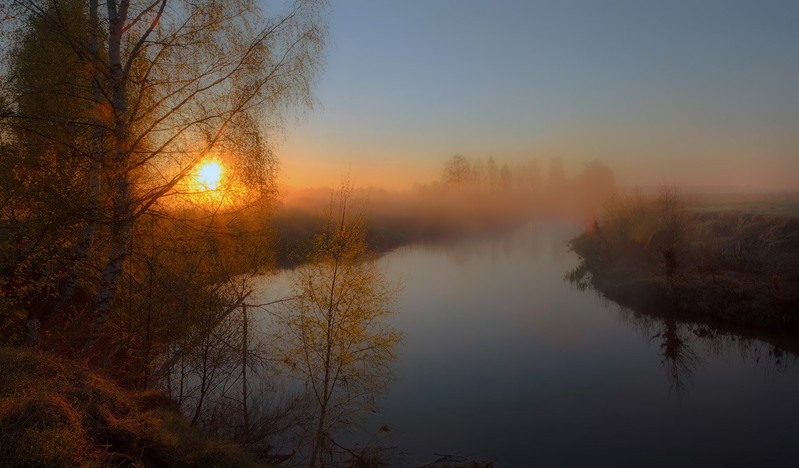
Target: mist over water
point(505, 361)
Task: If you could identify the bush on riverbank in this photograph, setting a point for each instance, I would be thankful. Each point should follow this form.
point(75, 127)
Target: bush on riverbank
point(651, 253)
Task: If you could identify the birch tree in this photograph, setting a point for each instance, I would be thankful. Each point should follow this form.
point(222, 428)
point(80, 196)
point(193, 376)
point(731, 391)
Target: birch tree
point(173, 82)
point(337, 340)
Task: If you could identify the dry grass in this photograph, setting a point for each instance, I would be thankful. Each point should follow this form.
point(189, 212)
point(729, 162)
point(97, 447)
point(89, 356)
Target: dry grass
point(54, 413)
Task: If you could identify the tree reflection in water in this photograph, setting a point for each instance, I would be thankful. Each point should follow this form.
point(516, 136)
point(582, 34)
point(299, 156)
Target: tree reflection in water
point(680, 339)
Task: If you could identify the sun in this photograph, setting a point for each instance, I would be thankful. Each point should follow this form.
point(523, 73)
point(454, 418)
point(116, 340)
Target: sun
point(209, 174)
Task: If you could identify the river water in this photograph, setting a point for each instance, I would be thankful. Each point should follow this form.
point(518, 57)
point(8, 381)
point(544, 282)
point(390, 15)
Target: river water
point(504, 361)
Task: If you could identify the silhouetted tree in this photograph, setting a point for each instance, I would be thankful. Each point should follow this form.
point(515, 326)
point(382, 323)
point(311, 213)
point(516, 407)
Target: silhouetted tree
point(479, 175)
point(492, 174)
point(457, 172)
point(672, 231)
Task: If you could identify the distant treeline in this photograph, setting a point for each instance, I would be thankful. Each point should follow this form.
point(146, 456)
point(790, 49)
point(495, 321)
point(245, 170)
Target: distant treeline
point(470, 197)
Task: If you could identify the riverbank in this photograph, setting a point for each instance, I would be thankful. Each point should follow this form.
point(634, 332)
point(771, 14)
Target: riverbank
point(728, 267)
point(55, 413)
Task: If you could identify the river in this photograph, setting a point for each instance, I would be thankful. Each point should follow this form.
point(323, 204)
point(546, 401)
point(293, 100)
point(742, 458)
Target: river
point(504, 361)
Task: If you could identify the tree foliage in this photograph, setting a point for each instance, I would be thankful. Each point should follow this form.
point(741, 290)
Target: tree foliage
point(338, 342)
point(105, 112)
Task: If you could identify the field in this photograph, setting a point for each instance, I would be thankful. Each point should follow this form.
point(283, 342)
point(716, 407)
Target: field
point(768, 204)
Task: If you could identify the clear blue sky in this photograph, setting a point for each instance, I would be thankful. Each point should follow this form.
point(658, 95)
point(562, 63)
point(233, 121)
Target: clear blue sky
point(693, 92)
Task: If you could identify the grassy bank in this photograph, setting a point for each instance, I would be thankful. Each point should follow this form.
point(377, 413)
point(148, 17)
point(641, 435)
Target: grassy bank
point(55, 413)
point(732, 267)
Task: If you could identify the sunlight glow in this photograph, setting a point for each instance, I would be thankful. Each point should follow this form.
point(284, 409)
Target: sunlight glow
point(213, 184)
point(209, 174)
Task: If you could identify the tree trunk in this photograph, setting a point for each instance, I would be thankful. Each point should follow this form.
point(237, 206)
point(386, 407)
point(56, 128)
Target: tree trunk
point(122, 219)
point(320, 428)
point(120, 241)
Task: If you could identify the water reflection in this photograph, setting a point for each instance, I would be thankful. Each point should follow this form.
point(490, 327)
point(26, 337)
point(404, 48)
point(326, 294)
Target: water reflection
point(678, 339)
point(503, 361)
point(531, 241)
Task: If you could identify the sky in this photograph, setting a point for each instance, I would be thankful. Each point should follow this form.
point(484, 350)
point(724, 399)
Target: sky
point(696, 93)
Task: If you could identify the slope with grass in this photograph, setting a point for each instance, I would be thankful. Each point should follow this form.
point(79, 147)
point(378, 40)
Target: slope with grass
point(55, 413)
